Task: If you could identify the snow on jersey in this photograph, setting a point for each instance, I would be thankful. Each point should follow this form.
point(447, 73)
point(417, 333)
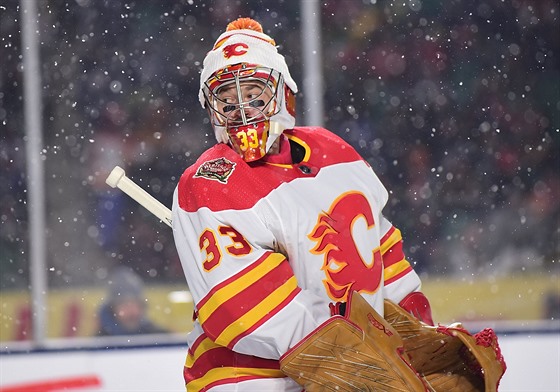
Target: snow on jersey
point(266, 247)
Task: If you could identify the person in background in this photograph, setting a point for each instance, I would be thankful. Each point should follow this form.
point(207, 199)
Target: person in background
point(283, 242)
point(124, 311)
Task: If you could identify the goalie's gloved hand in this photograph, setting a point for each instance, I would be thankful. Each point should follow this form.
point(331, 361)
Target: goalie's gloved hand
point(448, 357)
point(338, 309)
point(418, 305)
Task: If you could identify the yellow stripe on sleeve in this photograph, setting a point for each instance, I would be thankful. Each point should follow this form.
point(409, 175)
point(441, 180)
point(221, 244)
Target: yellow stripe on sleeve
point(236, 286)
point(258, 312)
point(392, 240)
point(396, 269)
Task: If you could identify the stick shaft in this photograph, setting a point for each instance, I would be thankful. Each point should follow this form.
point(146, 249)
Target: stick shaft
point(146, 200)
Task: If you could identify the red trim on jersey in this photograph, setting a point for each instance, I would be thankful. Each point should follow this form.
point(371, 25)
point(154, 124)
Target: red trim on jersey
point(196, 343)
point(394, 260)
point(269, 315)
point(224, 357)
point(388, 234)
point(237, 305)
point(249, 183)
point(233, 278)
point(399, 275)
point(395, 253)
point(233, 367)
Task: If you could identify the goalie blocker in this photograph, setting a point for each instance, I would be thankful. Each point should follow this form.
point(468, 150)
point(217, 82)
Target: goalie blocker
point(362, 351)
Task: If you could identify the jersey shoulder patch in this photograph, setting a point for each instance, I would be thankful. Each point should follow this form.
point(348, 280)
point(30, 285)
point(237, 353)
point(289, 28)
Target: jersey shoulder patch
point(217, 169)
point(220, 180)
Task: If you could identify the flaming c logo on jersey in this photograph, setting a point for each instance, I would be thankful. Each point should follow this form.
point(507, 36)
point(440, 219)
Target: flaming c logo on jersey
point(345, 268)
point(216, 169)
point(238, 49)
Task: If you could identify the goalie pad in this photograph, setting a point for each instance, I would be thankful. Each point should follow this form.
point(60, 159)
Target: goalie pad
point(358, 352)
point(448, 357)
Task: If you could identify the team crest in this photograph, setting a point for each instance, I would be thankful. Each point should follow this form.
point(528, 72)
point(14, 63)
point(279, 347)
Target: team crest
point(347, 268)
point(217, 169)
point(237, 49)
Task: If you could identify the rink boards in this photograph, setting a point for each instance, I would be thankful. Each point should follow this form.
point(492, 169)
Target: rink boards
point(533, 360)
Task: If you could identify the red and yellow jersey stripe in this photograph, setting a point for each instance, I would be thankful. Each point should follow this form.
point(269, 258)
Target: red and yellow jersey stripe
point(209, 364)
point(394, 261)
point(242, 303)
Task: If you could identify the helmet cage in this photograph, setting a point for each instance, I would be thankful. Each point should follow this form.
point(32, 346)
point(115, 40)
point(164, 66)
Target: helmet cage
point(250, 124)
point(236, 114)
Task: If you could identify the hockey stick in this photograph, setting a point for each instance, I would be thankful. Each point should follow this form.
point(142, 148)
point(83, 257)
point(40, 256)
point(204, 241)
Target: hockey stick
point(118, 179)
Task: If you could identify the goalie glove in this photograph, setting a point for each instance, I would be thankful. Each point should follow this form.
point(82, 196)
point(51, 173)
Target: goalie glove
point(356, 352)
point(418, 305)
point(448, 357)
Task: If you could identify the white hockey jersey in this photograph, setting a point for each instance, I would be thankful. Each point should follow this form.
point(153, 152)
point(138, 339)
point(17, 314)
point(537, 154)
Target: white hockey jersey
point(266, 246)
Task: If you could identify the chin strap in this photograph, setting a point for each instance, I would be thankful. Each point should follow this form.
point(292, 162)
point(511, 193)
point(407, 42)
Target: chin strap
point(418, 305)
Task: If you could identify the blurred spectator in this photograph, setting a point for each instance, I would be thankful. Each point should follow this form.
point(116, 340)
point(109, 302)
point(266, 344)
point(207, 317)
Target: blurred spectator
point(124, 312)
point(455, 104)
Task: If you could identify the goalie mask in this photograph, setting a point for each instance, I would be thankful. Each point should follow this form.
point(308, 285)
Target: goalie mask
point(247, 88)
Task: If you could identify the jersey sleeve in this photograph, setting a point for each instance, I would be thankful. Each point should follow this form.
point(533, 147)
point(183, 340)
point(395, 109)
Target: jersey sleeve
point(246, 295)
point(400, 279)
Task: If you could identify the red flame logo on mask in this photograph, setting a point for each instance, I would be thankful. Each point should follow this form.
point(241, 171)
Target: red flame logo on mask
point(238, 49)
point(345, 268)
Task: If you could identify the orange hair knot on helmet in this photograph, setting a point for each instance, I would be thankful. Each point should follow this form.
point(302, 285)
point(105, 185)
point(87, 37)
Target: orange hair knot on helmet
point(245, 24)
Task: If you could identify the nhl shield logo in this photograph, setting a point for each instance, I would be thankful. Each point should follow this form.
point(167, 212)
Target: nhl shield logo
point(216, 169)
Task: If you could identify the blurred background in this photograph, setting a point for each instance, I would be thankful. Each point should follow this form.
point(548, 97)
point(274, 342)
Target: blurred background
point(456, 106)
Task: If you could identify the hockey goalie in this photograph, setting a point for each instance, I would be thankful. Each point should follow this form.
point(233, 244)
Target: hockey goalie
point(298, 279)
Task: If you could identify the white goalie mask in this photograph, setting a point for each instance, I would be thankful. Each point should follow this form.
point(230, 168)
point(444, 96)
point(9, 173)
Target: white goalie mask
point(249, 93)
